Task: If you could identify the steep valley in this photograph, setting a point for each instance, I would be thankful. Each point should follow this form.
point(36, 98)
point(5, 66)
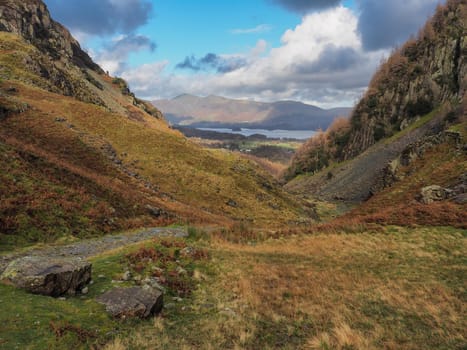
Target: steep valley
point(358, 243)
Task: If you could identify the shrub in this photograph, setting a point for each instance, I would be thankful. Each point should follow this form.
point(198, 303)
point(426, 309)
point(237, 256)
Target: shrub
point(418, 108)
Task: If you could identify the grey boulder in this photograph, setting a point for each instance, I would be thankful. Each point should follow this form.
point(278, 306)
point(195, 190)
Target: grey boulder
point(139, 302)
point(433, 193)
point(53, 276)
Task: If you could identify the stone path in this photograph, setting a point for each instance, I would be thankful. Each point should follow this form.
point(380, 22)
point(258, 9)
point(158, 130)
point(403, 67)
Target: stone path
point(92, 247)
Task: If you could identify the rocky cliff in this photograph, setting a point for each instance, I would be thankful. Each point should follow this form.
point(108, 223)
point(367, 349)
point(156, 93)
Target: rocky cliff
point(31, 20)
point(418, 77)
point(59, 60)
point(418, 92)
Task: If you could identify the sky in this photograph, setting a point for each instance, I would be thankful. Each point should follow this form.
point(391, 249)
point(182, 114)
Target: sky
point(321, 52)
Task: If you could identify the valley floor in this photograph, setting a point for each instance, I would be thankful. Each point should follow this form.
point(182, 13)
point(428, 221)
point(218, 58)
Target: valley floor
point(385, 288)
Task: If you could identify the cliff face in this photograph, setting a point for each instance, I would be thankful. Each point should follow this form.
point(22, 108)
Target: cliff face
point(418, 77)
point(425, 73)
point(58, 64)
point(31, 20)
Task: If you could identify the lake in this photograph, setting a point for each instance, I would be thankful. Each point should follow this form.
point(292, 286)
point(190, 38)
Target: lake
point(272, 134)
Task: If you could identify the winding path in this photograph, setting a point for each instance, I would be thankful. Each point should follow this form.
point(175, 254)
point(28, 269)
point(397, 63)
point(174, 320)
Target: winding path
point(92, 247)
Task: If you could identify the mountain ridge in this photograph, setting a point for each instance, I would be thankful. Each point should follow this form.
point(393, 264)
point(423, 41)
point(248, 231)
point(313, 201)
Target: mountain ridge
point(218, 111)
point(425, 73)
point(389, 153)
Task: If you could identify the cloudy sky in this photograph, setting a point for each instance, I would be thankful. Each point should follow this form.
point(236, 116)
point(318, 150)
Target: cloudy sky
point(321, 52)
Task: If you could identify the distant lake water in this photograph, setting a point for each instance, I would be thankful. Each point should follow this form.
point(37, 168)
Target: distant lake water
point(272, 134)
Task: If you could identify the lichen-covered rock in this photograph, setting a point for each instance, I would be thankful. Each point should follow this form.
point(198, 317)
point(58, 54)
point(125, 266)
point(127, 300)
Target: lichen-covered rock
point(433, 193)
point(139, 302)
point(53, 276)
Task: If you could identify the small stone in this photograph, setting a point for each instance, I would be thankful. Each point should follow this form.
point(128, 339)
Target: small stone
point(430, 194)
point(126, 276)
point(101, 276)
point(177, 299)
point(181, 271)
point(232, 203)
point(169, 306)
point(85, 290)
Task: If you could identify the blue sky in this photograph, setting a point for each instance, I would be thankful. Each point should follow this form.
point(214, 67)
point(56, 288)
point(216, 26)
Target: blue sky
point(316, 51)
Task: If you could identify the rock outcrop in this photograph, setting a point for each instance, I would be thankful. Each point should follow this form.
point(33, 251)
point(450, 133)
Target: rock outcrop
point(427, 74)
point(139, 302)
point(50, 276)
point(418, 77)
point(31, 20)
point(432, 193)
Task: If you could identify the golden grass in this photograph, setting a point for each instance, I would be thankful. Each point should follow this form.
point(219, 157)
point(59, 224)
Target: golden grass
point(190, 183)
point(398, 289)
point(189, 174)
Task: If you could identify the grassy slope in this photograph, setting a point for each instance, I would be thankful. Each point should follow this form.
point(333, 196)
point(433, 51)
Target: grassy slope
point(393, 288)
point(189, 182)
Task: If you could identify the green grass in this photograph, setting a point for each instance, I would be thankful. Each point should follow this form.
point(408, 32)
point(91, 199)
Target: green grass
point(27, 320)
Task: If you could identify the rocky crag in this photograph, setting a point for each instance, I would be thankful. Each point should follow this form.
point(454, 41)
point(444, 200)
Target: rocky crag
point(416, 96)
point(60, 61)
point(425, 73)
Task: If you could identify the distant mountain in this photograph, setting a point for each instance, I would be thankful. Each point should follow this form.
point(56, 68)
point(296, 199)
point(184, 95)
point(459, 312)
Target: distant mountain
point(216, 111)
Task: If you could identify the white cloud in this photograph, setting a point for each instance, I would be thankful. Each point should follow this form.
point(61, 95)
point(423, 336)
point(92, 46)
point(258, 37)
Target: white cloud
point(298, 69)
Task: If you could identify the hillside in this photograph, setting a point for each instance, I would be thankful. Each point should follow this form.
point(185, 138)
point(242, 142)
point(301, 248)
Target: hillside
point(117, 232)
point(216, 111)
point(83, 155)
point(415, 102)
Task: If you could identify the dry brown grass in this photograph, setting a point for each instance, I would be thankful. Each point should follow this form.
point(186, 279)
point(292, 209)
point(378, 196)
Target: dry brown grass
point(398, 289)
point(189, 184)
point(273, 168)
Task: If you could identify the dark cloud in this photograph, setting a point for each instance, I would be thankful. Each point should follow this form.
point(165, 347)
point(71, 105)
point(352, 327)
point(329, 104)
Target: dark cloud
point(304, 6)
point(385, 24)
point(131, 43)
point(100, 17)
point(190, 62)
point(212, 62)
point(115, 55)
point(333, 59)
